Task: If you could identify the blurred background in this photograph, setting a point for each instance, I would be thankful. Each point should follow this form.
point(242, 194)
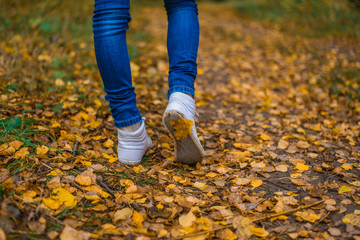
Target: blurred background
point(58, 33)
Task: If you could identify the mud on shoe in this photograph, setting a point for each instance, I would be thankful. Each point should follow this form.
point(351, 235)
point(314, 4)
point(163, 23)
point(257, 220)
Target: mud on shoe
point(132, 145)
point(179, 119)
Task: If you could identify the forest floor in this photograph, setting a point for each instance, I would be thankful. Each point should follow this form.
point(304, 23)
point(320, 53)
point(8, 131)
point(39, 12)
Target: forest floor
point(279, 120)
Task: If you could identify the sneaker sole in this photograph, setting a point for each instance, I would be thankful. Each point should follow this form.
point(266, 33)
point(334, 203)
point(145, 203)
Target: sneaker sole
point(187, 150)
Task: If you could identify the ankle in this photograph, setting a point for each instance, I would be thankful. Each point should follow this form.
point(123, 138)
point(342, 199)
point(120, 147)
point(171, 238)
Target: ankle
point(131, 128)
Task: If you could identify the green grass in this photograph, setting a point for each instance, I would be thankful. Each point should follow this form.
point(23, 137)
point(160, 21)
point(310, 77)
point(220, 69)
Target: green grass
point(310, 18)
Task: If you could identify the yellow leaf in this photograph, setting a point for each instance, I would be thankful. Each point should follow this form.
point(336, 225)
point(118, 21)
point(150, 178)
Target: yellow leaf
point(94, 124)
point(182, 127)
point(55, 125)
point(22, 153)
point(281, 218)
point(347, 166)
point(51, 203)
point(42, 150)
point(256, 183)
point(16, 144)
point(83, 180)
point(111, 158)
point(308, 215)
point(63, 196)
point(259, 232)
point(97, 102)
point(122, 215)
point(108, 143)
point(8, 184)
point(302, 167)
point(160, 206)
point(165, 145)
point(96, 137)
point(171, 186)
point(211, 175)
point(187, 220)
point(344, 189)
point(137, 218)
point(264, 137)
point(353, 219)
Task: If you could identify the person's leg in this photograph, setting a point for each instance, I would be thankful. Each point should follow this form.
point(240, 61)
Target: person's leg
point(179, 116)
point(110, 22)
point(182, 44)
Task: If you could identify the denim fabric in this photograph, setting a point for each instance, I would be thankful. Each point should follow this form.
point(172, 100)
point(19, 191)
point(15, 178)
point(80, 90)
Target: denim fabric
point(110, 22)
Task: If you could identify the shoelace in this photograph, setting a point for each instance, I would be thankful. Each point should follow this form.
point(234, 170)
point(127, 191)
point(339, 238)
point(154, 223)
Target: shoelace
point(190, 106)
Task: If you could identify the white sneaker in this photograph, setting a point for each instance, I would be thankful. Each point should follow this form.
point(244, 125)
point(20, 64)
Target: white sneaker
point(188, 148)
point(132, 145)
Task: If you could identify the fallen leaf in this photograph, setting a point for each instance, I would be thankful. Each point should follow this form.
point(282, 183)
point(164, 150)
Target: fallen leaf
point(42, 150)
point(256, 183)
point(264, 137)
point(16, 144)
point(22, 152)
point(282, 144)
point(122, 215)
point(308, 215)
point(281, 168)
point(302, 167)
point(182, 127)
point(137, 218)
point(187, 220)
point(303, 145)
point(259, 232)
point(70, 233)
point(108, 143)
point(344, 189)
point(83, 180)
point(353, 219)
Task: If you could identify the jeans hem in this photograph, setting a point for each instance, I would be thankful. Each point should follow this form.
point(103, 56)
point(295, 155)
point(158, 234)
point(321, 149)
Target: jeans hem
point(181, 89)
point(126, 123)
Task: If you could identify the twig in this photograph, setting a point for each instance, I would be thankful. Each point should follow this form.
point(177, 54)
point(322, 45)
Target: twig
point(203, 232)
point(76, 146)
point(41, 196)
point(322, 219)
point(275, 184)
point(102, 184)
point(289, 211)
point(255, 220)
point(44, 164)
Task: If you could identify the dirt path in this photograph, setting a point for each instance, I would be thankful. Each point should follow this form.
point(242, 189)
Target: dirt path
point(282, 154)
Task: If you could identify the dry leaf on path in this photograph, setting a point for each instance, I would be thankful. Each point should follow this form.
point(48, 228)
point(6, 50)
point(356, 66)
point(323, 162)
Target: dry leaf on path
point(70, 233)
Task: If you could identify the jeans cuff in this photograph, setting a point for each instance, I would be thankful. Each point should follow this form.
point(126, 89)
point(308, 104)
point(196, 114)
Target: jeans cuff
point(181, 89)
point(126, 123)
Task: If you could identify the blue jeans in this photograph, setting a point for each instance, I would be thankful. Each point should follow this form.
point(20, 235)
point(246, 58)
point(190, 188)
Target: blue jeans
point(110, 22)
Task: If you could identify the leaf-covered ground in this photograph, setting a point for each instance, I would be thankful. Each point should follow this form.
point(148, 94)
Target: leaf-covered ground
point(279, 120)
